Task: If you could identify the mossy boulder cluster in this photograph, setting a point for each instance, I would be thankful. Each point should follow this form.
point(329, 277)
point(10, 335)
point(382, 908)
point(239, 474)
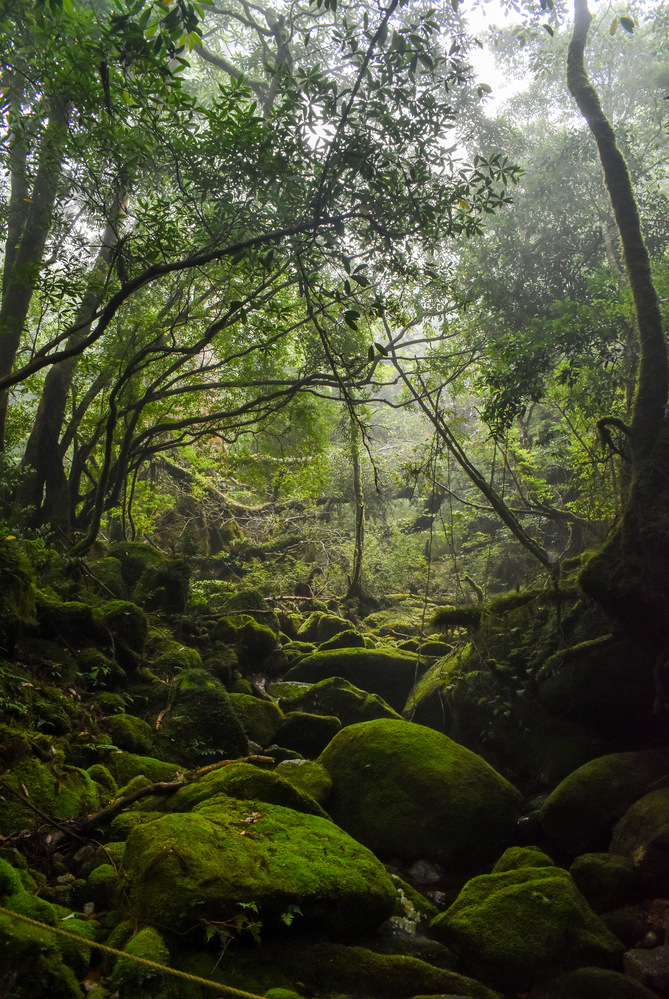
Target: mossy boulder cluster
point(304, 805)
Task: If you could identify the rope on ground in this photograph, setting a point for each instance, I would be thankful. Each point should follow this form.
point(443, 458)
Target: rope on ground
point(147, 962)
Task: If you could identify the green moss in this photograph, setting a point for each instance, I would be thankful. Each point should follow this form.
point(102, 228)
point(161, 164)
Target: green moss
point(246, 782)
point(260, 719)
point(307, 734)
point(169, 657)
point(134, 558)
point(107, 577)
point(519, 928)
point(255, 644)
point(454, 808)
point(126, 622)
point(579, 815)
point(146, 943)
point(320, 627)
point(101, 775)
point(99, 670)
point(17, 594)
point(125, 766)
point(130, 733)
point(349, 639)
point(201, 864)
point(642, 835)
point(307, 776)
point(69, 621)
point(608, 882)
point(448, 618)
point(61, 792)
point(100, 887)
point(201, 726)
point(164, 587)
point(339, 697)
point(387, 673)
point(517, 857)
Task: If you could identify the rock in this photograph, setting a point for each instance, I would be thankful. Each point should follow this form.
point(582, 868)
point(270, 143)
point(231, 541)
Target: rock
point(649, 967)
point(130, 733)
point(60, 792)
point(163, 586)
point(489, 709)
point(642, 836)
point(517, 857)
point(387, 673)
point(256, 643)
point(180, 868)
point(134, 558)
point(407, 791)
point(320, 627)
point(248, 783)
point(201, 726)
point(520, 928)
point(128, 976)
point(126, 766)
point(308, 776)
point(579, 815)
point(306, 733)
point(126, 623)
point(607, 882)
point(349, 639)
point(336, 696)
point(592, 983)
point(260, 719)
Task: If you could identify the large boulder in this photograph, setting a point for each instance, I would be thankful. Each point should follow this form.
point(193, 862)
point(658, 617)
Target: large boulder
point(201, 726)
point(518, 928)
point(339, 697)
point(247, 783)
point(579, 815)
point(410, 792)
point(181, 868)
point(385, 672)
point(592, 983)
point(642, 837)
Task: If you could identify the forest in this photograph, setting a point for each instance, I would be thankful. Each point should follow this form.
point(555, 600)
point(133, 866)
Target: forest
point(334, 511)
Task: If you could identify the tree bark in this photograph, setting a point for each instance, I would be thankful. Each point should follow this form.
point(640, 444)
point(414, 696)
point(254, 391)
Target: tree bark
point(355, 588)
point(629, 576)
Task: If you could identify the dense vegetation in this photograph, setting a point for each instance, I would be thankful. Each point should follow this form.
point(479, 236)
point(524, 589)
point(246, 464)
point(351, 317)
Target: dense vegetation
point(334, 519)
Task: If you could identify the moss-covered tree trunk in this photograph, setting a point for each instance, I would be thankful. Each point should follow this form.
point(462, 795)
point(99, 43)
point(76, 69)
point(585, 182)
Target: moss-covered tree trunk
point(355, 588)
point(630, 575)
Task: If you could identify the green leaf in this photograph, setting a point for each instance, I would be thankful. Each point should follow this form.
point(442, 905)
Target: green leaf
point(381, 349)
point(628, 24)
point(350, 317)
point(548, 28)
point(614, 26)
point(370, 353)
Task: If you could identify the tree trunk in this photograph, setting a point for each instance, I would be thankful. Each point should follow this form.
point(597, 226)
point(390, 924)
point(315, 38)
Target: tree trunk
point(630, 575)
point(355, 589)
point(46, 489)
point(28, 230)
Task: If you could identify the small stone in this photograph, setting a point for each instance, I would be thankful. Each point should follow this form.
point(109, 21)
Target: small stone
point(650, 967)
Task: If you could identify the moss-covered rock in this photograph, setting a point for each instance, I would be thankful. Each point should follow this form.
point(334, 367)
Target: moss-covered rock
point(70, 621)
point(339, 697)
point(320, 627)
point(306, 733)
point(106, 576)
point(130, 733)
point(133, 980)
point(247, 783)
point(134, 557)
point(259, 718)
point(100, 671)
point(163, 586)
point(62, 792)
point(126, 623)
point(200, 865)
point(17, 593)
point(168, 657)
point(516, 857)
point(258, 648)
point(518, 928)
point(490, 709)
point(407, 791)
point(592, 983)
point(308, 776)
point(124, 767)
point(579, 815)
point(201, 725)
point(349, 639)
point(606, 881)
point(387, 673)
point(607, 683)
point(642, 836)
